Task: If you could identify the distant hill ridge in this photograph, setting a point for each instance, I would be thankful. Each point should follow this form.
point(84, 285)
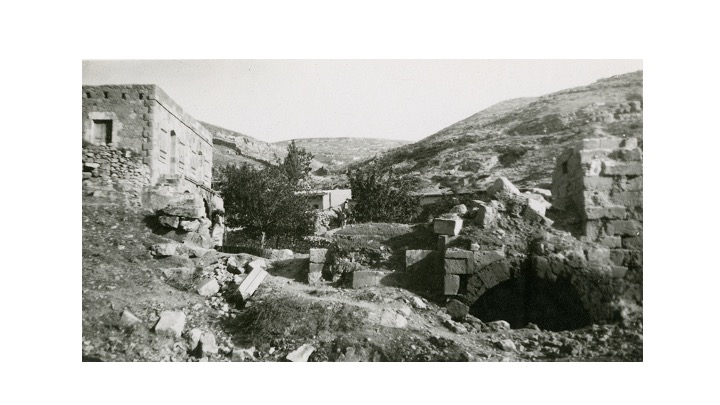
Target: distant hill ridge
point(335, 153)
point(519, 138)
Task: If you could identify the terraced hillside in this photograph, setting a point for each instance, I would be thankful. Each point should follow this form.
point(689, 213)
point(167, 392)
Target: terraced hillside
point(233, 147)
point(335, 153)
point(520, 138)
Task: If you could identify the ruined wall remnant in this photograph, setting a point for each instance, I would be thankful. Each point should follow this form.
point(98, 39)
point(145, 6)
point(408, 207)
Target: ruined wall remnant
point(599, 182)
point(108, 170)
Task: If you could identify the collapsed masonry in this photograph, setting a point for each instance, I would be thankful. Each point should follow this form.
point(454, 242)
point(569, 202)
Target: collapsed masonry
point(561, 281)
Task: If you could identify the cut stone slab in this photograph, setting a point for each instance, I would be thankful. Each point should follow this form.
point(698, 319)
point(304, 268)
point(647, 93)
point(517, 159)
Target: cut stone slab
point(301, 354)
point(208, 286)
point(367, 278)
point(450, 227)
point(457, 310)
point(128, 319)
point(502, 184)
point(318, 255)
point(486, 257)
point(459, 262)
point(539, 206)
point(251, 282)
point(612, 168)
point(314, 277)
point(171, 324)
point(451, 284)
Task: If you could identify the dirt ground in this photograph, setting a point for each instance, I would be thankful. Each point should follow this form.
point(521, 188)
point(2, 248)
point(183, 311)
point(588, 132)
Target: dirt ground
point(385, 323)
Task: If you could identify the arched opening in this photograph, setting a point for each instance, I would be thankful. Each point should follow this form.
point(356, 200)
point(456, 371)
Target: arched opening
point(207, 208)
point(173, 152)
point(550, 305)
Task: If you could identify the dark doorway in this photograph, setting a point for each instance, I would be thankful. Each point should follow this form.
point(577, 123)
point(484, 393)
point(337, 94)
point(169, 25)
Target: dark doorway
point(102, 131)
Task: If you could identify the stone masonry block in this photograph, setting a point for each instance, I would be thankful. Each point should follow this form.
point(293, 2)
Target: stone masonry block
point(592, 229)
point(611, 242)
point(486, 257)
point(612, 168)
point(418, 260)
point(632, 242)
point(610, 143)
point(318, 255)
point(486, 215)
point(627, 198)
point(459, 262)
point(591, 143)
point(630, 143)
point(598, 183)
point(452, 284)
point(624, 228)
point(588, 156)
point(447, 226)
point(316, 267)
point(171, 324)
point(613, 211)
point(366, 278)
point(444, 242)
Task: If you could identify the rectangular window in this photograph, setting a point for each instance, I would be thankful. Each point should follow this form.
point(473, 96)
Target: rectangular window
point(102, 131)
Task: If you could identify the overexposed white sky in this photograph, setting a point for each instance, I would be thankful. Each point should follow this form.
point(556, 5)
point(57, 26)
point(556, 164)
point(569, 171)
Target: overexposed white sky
point(275, 100)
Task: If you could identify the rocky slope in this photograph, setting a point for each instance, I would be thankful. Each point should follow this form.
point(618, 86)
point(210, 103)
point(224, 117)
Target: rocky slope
point(233, 147)
point(520, 138)
point(335, 153)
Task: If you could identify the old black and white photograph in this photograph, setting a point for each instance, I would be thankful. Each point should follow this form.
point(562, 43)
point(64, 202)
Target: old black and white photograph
point(380, 202)
point(362, 210)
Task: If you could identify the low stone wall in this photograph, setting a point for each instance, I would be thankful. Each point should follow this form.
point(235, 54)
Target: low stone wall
point(108, 170)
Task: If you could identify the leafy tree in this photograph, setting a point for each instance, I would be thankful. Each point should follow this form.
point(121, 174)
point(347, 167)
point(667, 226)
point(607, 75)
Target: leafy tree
point(381, 196)
point(265, 202)
point(297, 164)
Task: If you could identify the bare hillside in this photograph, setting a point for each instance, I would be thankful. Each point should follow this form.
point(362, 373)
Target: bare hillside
point(334, 153)
point(520, 138)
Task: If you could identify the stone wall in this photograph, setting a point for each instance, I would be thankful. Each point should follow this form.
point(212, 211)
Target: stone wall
point(129, 109)
point(145, 120)
point(107, 169)
point(599, 183)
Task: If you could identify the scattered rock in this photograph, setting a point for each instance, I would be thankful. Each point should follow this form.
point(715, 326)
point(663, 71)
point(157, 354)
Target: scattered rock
point(259, 264)
point(208, 286)
point(239, 354)
point(506, 345)
point(302, 353)
point(164, 249)
point(236, 264)
point(128, 320)
point(169, 221)
point(502, 184)
point(418, 303)
point(171, 324)
point(498, 326)
point(207, 344)
point(459, 209)
point(392, 319)
point(454, 326)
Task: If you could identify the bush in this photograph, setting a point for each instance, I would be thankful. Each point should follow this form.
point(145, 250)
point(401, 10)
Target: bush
point(381, 196)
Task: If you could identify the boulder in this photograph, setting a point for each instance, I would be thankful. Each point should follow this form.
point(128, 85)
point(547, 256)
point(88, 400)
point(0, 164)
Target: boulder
point(457, 310)
point(506, 345)
point(171, 324)
point(185, 205)
point(539, 205)
point(208, 286)
point(279, 254)
point(207, 344)
point(502, 184)
point(239, 354)
point(419, 303)
point(459, 209)
point(486, 215)
point(164, 249)
point(498, 326)
point(301, 354)
point(392, 319)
